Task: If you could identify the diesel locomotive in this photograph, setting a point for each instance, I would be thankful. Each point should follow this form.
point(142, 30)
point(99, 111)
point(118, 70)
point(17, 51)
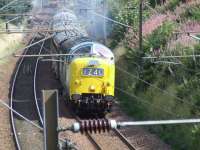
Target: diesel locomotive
point(87, 74)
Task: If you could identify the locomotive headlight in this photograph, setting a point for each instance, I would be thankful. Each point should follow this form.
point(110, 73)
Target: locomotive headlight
point(108, 84)
point(77, 82)
point(105, 84)
point(92, 88)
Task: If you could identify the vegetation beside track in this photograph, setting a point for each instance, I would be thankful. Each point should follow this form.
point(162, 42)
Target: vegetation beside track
point(11, 42)
point(157, 90)
point(18, 6)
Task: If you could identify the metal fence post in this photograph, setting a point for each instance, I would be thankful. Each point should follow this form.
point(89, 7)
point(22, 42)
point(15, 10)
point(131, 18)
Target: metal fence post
point(50, 111)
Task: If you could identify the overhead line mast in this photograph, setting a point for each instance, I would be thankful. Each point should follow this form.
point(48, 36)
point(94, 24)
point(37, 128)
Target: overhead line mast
point(140, 25)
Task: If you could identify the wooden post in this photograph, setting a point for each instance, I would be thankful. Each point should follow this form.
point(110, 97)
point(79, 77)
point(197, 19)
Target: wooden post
point(140, 26)
point(50, 111)
point(7, 30)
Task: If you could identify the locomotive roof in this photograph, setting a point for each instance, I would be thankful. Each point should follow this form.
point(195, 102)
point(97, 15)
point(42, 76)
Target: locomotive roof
point(95, 48)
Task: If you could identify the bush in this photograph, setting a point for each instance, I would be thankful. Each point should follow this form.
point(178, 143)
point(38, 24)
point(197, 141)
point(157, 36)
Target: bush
point(182, 82)
point(192, 13)
point(159, 38)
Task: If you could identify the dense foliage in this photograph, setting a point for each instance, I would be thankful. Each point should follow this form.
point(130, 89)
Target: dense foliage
point(192, 13)
point(161, 89)
point(126, 13)
point(14, 7)
point(11, 6)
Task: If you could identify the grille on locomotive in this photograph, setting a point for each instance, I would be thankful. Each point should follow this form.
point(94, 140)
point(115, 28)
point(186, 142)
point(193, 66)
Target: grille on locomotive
point(88, 73)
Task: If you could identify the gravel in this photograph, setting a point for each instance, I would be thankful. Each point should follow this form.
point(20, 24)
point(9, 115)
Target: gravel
point(6, 138)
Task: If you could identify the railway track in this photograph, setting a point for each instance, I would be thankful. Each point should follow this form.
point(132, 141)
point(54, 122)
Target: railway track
point(23, 100)
point(102, 141)
point(112, 140)
point(140, 139)
point(136, 137)
point(124, 139)
point(90, 137)
point(38, 105)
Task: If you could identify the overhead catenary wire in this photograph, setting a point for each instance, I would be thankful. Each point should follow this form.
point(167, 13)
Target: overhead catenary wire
point(185, 32)
point(20, 115)
point(44, 39)
point(139, 99)
point(154, 86)
point(7, 5)
point(143, 80)
point(12, 14)
point(192, 104)
point(176, 56)
point(14, 30)
point(112, 20)
point(12, 97)
point(48, 55)
point(107, 18)
point(10, 4)
point(167, 62)
point(143, 101)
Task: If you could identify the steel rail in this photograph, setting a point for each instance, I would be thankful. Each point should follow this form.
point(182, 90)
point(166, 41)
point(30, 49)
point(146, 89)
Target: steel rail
point(12, 97)
point(92, 140)
point(34, 85)
point(34, 81)
point(124, 139)
point(13, 89)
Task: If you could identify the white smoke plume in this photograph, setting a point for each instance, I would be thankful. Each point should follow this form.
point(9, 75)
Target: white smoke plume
point(96, 26)
point(36, 4)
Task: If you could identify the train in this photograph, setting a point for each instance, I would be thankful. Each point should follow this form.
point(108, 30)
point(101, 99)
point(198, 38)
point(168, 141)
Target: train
point(87, 72)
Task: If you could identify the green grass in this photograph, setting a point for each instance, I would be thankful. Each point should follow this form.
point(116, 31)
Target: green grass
point(11, 48)
point(4, 55)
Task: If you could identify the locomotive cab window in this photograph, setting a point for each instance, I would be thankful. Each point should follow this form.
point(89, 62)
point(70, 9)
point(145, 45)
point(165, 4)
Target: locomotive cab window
point(85, 49)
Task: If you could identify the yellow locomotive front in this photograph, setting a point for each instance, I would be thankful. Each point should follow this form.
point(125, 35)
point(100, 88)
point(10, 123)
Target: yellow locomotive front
point(91, 81)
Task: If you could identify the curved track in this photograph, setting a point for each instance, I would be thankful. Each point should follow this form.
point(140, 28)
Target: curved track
point(21, 89)
point(35, 88)
point(12, 97)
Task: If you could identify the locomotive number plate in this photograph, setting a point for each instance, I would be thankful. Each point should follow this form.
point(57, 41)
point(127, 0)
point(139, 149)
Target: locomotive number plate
point(97, 72)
